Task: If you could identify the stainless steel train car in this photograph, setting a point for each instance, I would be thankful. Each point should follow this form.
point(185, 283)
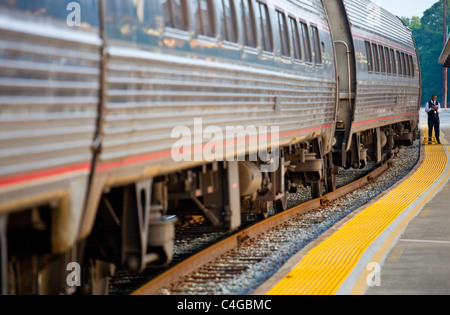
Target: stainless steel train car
point(121, 117)
point(379, 83)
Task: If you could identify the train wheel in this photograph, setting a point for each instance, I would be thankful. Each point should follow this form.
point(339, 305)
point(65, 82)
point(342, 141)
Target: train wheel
point(17, 284)
point(331, 182)
point(28, 265)
point(264, 208)
point(331, 173)
point(37, 275)
point(317, 189)
point(280, 204)
point(96, 276)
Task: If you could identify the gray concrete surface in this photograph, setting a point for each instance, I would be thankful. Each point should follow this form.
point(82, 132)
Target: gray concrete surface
point(419, 262)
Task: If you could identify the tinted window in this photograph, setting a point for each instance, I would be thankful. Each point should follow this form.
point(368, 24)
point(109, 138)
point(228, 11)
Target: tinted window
point(284, 34)
point(248, 23)
point(408, 60)
point(175, 13)
point(388, 60)
point(382, 59)
point(56, 11)
point(295, 38)
point(405, 66)
point(204, 15)
point(126, 21)
point(413, 70)
point(376, 60)
point(316, 42)
point(228, 19)
point(394, 63)
point(306, 40)
point(265, 27)
point(400, 63)
point(369, 57)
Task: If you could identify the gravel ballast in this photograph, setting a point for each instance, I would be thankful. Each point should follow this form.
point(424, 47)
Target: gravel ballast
point(244, 269)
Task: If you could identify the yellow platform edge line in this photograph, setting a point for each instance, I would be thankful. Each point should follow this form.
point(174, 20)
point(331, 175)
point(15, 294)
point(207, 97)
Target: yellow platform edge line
point(360, 286)
point(325, 267)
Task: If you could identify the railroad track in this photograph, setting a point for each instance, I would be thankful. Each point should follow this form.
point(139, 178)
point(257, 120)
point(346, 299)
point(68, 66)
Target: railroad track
point(203, 272)
point(208, 261)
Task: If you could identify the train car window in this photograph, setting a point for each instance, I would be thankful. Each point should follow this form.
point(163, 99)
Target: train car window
point(175, 14)
point(376, 58)
point(405, 65)
point(306, 41)
point(266, 39)
point(133, 21)
point(249, 23)
point(369, 57)
point(284, 34)
point(295, 38)
point(228, 19)
point(411, 62)
point(56, 12)
point(408, 63)
point(316, 43)
point(394, 64)
point(388, 60)
point(382, 59)
point(408, 57)
point(413, 70)
point(204, 15)
point(400, 64)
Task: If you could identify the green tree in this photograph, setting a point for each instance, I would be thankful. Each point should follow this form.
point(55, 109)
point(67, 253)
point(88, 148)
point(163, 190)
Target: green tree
point(428, 35)
point(413, 23)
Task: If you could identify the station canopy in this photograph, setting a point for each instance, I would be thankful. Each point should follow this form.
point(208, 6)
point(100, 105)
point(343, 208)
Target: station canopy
point(445, 55)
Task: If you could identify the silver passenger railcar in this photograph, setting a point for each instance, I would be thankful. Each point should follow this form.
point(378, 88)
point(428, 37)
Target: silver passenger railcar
point(168, 64)
point(379, 87)
point(110, 110)
point(50, 77)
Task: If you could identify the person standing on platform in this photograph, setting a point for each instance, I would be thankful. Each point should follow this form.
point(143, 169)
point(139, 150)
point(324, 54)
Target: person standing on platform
point(433, 108)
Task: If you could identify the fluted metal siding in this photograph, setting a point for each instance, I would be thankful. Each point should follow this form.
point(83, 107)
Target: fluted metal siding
point(49, 96)
point(368, 16)
point(381, 95)
point(154, 89)
point(386, 100)
point(149, 94)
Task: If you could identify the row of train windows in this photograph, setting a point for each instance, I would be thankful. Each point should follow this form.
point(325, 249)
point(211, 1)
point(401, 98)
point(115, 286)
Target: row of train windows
point(297, 39)
point(255, 16)
point(384, 60)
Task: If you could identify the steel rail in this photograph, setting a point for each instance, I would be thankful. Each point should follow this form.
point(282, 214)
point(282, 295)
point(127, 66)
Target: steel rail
point(189, 265)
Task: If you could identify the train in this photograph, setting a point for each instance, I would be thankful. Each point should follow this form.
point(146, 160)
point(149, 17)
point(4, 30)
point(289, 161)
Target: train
point(114, 117)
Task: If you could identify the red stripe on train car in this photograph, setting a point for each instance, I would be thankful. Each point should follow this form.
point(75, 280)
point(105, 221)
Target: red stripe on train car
point(21, 178)
point(16, 179)
point(367, 36)
point(384, 118)
point(26, 177)
point(163, 154)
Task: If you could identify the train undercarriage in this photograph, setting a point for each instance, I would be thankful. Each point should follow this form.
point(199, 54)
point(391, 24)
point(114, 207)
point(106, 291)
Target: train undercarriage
point(224, 193)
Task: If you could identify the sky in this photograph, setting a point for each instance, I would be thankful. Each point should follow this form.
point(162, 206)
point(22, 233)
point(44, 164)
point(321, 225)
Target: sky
point(406, 8)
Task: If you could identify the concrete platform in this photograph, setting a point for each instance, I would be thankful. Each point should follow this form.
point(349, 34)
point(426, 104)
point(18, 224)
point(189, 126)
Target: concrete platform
point(419, 261)
point(398, 244)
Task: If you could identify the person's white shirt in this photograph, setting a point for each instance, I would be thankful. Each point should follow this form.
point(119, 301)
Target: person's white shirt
point(435, 103)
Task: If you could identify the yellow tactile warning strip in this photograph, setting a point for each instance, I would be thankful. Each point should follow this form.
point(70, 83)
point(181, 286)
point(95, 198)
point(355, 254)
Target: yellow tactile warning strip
point(325, 268)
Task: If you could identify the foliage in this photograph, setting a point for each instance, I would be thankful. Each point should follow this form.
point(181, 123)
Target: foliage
point(428, 35)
